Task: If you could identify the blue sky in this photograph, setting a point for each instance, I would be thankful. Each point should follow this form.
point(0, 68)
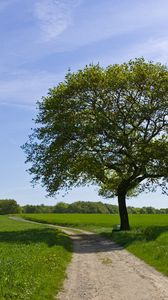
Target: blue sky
point(40, 40)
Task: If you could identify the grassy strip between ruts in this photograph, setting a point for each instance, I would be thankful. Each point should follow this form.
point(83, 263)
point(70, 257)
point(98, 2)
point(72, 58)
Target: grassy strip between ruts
point(148, 238)
point(33, 260)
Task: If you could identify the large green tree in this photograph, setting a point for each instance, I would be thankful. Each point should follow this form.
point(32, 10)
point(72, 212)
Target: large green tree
point(106, 126)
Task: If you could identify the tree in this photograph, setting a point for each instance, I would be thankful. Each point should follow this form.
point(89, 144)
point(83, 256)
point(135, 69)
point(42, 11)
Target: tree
point(29, 209)
point(61, 207)
point(104, 126)
point(9, 206)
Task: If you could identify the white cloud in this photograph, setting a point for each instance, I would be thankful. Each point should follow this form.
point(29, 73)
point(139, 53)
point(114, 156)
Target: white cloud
point(54, 16)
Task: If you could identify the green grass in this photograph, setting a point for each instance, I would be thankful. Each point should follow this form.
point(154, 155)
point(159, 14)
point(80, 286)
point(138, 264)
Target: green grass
point(97, 221)
point(148, 243)
point(33, 260)
point(75, 220)
point(148, 238)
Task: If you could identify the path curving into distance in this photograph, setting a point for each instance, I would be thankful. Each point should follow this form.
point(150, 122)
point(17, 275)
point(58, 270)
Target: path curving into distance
point(102, 270)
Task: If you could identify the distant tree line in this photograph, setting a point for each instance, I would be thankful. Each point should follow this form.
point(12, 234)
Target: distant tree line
point(102, 208)
point(89, 207)
point(37, 209)
point(10, 206)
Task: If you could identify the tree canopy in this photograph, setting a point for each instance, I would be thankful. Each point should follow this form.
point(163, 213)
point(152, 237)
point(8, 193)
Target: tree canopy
point(106, 126)
point(9, 206)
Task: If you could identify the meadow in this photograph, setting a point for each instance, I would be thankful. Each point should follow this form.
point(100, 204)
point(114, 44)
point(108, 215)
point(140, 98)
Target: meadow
point(33, 260)
point(148, 238)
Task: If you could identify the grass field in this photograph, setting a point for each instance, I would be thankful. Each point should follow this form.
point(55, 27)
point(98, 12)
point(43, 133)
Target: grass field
point(148, 238)
point(33, 260)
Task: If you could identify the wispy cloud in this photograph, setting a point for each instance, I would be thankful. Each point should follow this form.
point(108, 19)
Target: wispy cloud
point(54, 16)
point(73, 28)
point(151, 49)
point(154, 49)
point(68, 25)
point(102, 20)
point(26, 88)
point(5, 3)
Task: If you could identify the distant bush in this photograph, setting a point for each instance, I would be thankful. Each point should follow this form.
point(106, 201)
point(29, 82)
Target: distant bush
point(9, 206)
point(30, 209)
point(87, 207)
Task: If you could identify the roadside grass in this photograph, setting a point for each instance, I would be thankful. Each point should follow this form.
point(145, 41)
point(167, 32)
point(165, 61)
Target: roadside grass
point(148, 243)
point(148, 238)
point(33, 260)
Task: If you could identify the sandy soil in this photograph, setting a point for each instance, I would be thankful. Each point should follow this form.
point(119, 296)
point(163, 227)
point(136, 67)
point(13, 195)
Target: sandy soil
point(102, 270)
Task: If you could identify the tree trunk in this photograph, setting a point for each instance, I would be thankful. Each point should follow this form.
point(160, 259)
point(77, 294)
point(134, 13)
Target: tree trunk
point(123, 211)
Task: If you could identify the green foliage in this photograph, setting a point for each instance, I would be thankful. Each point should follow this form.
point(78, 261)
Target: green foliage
point(146, 210)
point(33, 260)
point(9, 206)
point(103, 125)
point(89, 207)
point(37, 208)
point(61, 207)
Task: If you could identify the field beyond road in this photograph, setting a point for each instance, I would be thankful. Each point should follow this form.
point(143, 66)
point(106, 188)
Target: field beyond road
point(98, 220)
point(148, 238)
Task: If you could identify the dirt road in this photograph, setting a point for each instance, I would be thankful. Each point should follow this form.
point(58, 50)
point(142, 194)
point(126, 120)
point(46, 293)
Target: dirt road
point(101, 270)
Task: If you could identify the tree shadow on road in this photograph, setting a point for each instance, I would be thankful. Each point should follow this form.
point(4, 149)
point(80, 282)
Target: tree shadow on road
point(117, 240)
point(93, 243)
